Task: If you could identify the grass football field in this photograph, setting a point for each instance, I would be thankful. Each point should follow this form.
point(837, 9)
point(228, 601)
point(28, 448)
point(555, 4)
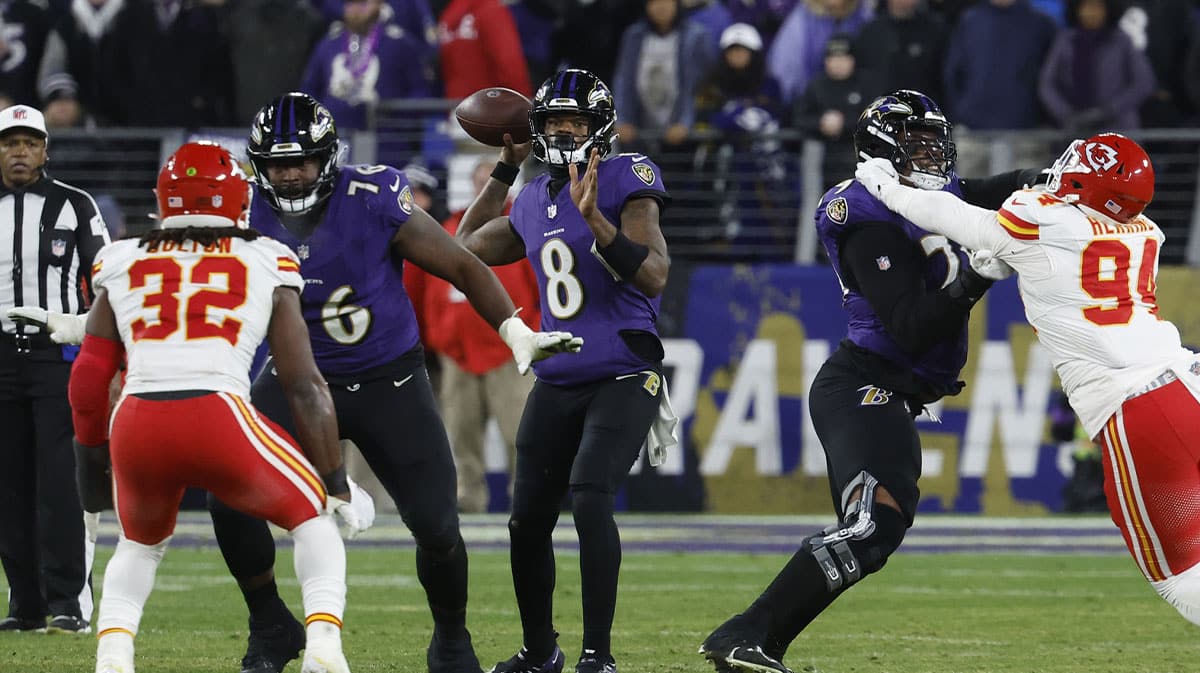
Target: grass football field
point(999, 603)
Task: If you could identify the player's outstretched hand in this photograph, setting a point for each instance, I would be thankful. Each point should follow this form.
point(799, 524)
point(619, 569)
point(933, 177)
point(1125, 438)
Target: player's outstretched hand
point(355, 516)
point(64, 328)
point(529, 346)
point(877, 175)
point(514, 154)
point(584, 189)
point(986, 264)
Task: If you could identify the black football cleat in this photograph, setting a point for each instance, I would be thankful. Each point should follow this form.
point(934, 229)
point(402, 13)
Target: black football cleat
point(737, 646)
point(451, 655)
point(68, 624)
point(522, 662)
point(271, 647)
point(590, 662)
point(23, 624)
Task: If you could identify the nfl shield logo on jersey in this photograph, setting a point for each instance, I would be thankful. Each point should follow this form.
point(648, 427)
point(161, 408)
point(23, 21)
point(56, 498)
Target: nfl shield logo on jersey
point(552, 210)
point(302, 251)
point(1195, 368)
point(883, 262)
point(58, 247)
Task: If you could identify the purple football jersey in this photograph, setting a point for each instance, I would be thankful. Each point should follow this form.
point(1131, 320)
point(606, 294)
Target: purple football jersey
point(357, 311)
point(577, 293)
point(848, 204)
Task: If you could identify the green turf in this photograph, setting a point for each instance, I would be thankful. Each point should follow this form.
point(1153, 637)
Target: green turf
point(943, 613)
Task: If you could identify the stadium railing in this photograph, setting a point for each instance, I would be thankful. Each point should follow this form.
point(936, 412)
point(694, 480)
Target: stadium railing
point(736, 198)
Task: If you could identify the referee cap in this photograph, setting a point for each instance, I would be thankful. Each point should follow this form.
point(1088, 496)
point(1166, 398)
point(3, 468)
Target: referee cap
point(22, 117)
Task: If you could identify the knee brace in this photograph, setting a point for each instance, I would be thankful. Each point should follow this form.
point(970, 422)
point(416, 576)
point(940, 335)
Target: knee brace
point(1182, 591)
point(862, 542)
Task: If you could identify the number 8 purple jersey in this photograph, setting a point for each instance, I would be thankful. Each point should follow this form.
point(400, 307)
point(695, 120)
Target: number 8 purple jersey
point(577, 293)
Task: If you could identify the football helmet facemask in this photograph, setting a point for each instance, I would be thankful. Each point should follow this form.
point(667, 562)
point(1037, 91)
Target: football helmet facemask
point(202, 185)
point(907, 128)
point(573, 92)
point(1109, 173)
point(295, 125)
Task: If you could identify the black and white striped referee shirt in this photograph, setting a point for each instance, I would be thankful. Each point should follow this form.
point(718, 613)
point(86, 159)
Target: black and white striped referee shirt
point(49, 234)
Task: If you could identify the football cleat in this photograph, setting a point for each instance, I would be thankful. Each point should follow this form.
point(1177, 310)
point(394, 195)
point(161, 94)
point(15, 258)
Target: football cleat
point(23, 624)
point(271, 647)
point(735, 645)
point(589, 662)
point(324, 656)
point(521, 662)
point(451, 655)
point(68, 624)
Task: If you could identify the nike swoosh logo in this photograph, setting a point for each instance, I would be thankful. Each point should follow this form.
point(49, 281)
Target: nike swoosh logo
point(396, 184)
point(402, 381)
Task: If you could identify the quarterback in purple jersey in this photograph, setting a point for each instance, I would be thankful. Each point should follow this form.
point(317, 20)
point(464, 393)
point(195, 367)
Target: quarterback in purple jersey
point(590, 229)
point(353, 228)
point(908, 294)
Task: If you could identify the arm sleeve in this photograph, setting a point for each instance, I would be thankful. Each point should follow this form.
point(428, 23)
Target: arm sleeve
point(944, 213)
point(913, 316)
point(87, 390)
point(992, 191)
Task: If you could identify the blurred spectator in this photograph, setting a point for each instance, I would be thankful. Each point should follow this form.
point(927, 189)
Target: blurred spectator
point(416, 17)
point(425, 190)
point(714, 15)
point(364, 59)
point(739, 77)
point(536, 22)
point(831, 105)
point(587, 37)
point(479, 377)
point(78, 51)
point(765, 15)
point(113, 216)
point(480, 47)
point(798, 52)
point(742, 101)
point(170, 65)
point(903, 48)
point(661, 63)
point(270, 42)
point(992, 65)
point(26, 25)
point(1093, 78)
point(1163, 29)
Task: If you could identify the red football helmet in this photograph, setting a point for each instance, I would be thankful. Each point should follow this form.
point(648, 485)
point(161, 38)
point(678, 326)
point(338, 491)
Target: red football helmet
point(202, 185)
point(1108, 173)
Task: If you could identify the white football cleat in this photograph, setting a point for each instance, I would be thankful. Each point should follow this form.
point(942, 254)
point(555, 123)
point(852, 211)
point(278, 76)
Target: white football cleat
point(324, 656)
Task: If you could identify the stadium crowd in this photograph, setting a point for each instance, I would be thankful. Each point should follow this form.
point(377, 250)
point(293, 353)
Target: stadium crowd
point(1077, 64)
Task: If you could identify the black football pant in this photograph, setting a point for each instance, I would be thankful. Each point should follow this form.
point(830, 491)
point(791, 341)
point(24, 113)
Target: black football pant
point(585, 438)
point(390, 414)
point(862, 427)
point(41, 529)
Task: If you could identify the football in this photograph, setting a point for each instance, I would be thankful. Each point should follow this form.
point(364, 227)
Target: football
point(488, 114)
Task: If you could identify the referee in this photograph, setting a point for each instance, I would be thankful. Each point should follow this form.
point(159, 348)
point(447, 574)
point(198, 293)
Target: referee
point(49, 234)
